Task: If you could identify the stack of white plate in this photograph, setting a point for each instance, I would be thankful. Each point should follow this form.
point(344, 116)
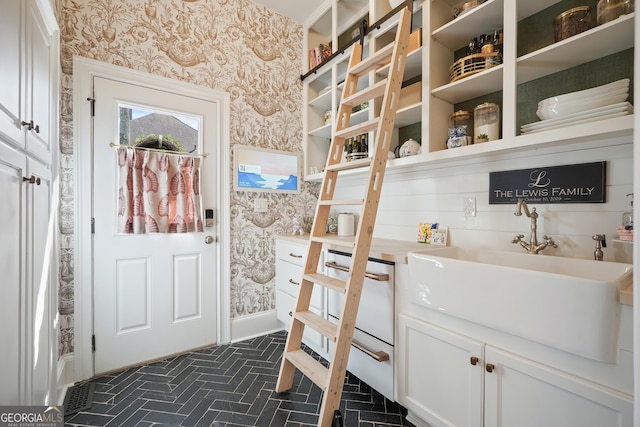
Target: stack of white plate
point(587, 105)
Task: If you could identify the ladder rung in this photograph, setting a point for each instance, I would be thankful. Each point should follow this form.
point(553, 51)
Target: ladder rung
point(309, 366)
point(341, 202)
point(326, 281)
point(319, 323)
point(375, 61)
point(358, 129)
point(332, 239)
point(366, 94)
point(354, 164)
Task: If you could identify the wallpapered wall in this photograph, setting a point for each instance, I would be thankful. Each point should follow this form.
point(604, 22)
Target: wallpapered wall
point(231, 45)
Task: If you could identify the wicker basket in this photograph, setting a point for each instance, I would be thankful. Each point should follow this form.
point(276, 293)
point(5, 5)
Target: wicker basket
point(472, 64)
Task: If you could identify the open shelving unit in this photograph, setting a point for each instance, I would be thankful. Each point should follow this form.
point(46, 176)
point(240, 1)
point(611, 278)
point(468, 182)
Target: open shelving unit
point(442, 36)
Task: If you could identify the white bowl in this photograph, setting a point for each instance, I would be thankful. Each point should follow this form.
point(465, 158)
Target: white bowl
point(594, 91)
point(582, 98)
point(549, 112)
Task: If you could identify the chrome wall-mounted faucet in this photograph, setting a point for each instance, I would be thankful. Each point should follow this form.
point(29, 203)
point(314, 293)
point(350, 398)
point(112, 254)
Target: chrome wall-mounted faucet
point(532, 247)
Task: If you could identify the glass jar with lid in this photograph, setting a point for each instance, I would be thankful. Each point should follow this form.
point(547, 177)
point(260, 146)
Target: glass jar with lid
point(608, 10)
point(460, 129)
point(486, 118)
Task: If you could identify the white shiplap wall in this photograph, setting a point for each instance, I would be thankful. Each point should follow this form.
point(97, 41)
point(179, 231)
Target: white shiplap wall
point(435, 193)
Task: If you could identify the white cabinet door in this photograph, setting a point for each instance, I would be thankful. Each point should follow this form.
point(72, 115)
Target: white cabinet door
point(39, 84)
point(12, 265)
point(12, 71)
point(522, 393)
point(40, 281)
point(28, 73)
point(440, 374)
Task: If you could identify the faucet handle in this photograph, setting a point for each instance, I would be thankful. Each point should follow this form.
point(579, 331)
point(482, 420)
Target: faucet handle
point(549, 241)
point(600, 238)
point(518, 238)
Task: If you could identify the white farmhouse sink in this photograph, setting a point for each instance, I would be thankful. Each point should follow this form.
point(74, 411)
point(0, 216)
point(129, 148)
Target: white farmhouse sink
point(569, 304)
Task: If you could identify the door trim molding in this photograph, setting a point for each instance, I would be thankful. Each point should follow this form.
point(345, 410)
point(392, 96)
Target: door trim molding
point(84, 72)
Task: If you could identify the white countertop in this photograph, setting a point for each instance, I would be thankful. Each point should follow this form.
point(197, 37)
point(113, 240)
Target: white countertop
point(385, 249)
point(398, 251)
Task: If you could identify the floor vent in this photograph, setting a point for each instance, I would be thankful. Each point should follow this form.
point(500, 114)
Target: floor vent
point(78, 398)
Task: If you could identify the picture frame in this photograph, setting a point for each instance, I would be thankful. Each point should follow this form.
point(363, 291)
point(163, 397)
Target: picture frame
point(266, 170)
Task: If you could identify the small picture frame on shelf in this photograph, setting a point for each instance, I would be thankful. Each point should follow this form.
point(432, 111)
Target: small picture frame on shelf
point(432, 234)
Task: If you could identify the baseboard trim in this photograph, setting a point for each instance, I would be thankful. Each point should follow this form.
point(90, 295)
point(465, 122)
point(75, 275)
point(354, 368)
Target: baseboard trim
point(65, 376)
point(416, 421)
point(254, 325)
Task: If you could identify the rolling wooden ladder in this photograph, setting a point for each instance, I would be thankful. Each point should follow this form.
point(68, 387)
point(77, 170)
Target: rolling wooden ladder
point(331, 379)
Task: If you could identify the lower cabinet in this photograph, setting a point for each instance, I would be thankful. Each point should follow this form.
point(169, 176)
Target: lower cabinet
point(27, 330)
point(290, 258)
point(448, 379)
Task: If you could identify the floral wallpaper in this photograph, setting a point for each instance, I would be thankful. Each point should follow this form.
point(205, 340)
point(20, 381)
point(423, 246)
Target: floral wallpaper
point(236, 46)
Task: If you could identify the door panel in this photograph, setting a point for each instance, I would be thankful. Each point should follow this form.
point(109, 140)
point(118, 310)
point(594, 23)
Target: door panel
point(12, 71)
point(154, 294)
point(133, 290)
point(187, 287)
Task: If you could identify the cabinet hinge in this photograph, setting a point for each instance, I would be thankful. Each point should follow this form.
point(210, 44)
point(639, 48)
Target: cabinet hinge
point(93, 106)
point(93, 226)
point(93, 343)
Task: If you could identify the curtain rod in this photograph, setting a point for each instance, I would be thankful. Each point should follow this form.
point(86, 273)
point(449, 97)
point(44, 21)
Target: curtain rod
point(179, 153)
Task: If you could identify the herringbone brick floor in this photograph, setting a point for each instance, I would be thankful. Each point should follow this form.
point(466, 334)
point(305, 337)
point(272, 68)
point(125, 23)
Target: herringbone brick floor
point(225, 386)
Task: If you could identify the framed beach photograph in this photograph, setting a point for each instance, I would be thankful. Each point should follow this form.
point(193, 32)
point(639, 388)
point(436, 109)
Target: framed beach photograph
point(264, 169)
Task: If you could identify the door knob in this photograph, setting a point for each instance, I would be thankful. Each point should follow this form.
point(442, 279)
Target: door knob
point(209, 240)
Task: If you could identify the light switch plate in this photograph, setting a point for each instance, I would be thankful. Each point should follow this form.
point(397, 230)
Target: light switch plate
point(469, 207)
point(260, 205)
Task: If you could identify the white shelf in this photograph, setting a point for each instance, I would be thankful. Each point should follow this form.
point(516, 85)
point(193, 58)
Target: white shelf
point(322, 102)
point(596, 43)
point(629, 242)
point(409, 115)
point(457, 33)
point(322, 131)
point(584, 134)
point(476, 85)
point(413, 67)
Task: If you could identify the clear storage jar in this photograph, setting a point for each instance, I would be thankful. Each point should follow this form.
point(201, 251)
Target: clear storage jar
point(608, 10)
point(572, 22)
point(460, 129)
point(486, 118)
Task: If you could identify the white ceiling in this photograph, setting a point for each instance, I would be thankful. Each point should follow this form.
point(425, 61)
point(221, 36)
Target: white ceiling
point(298, 10)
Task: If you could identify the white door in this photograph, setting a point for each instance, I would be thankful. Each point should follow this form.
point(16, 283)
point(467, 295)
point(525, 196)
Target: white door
point(154, 294)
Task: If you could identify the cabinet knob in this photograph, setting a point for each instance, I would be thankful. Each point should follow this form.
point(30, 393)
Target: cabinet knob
point(474, 360)
point(490, 367)
point(291, 314)
point(28, 124)
point(293, 282)
point(37, 128)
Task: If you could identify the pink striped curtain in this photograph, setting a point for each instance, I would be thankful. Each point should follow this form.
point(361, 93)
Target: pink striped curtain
point(158, 192)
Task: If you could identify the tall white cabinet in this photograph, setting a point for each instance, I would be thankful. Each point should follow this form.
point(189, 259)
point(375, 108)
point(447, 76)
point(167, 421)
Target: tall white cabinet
point(28, 127)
